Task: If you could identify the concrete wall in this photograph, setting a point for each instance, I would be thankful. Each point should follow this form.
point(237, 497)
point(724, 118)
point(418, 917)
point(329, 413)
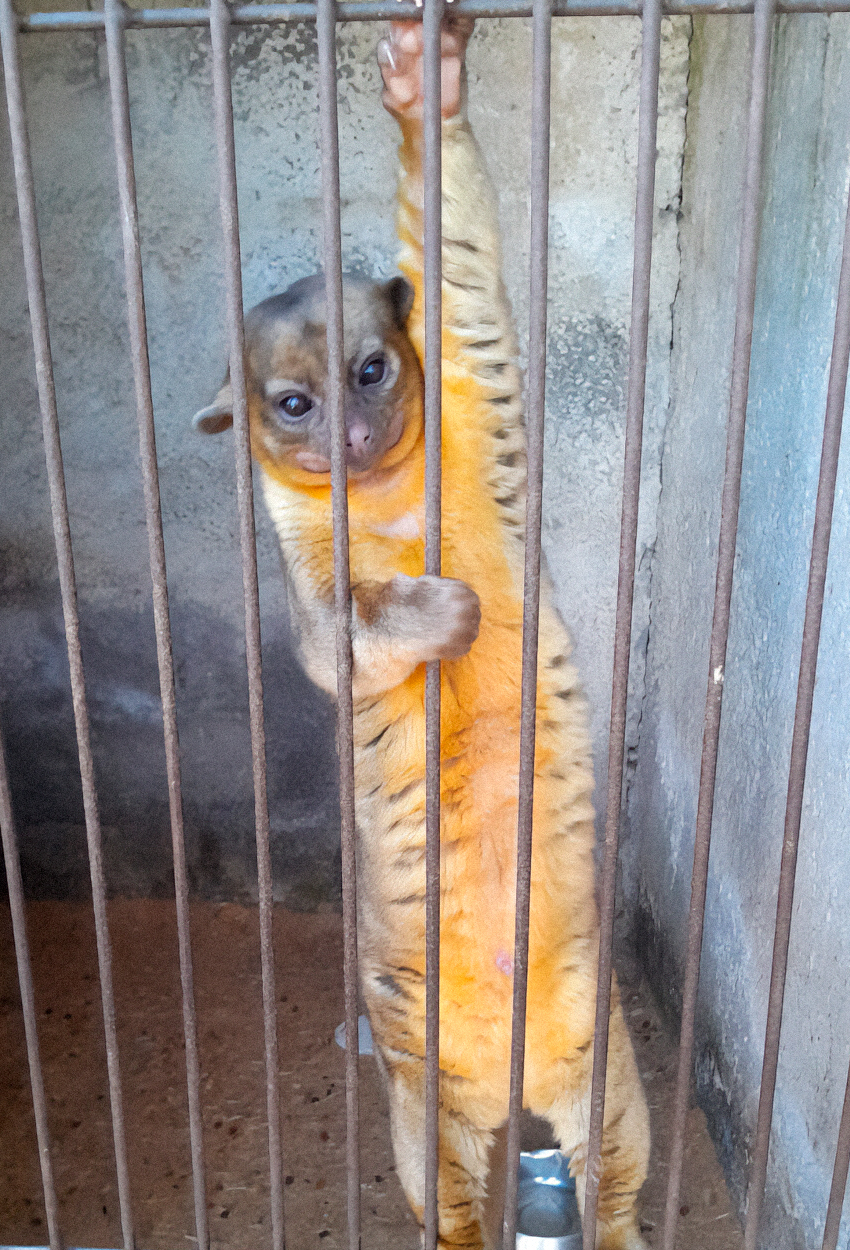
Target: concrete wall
point(595, 72)
point(803, 220)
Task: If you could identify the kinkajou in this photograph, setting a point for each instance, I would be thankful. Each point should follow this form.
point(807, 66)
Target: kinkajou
point(471, 619)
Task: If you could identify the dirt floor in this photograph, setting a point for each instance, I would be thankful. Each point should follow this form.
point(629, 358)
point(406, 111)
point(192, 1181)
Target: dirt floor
point(227, 978)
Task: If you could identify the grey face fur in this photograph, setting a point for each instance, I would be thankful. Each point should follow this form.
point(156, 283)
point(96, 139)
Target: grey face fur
point(286, 374)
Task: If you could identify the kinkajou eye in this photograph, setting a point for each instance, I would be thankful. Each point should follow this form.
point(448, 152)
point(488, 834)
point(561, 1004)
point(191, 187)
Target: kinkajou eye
point(294, 407)
point(373, 371)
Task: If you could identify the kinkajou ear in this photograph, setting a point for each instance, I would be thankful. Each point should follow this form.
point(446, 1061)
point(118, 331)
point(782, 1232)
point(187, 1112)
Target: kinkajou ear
point(399, 292)
point(219, 415)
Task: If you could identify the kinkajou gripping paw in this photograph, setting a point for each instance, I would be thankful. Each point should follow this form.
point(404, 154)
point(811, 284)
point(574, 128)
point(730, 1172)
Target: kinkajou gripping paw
point(400, 56)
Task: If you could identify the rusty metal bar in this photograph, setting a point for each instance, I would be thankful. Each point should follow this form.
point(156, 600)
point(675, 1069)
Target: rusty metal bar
point(839, 1176)
point(746, 295)
point(15, 887)
point(432, 16)
point(326, 33)
point(67, 581)
point(120, 105)
point(388, 10)
point(836, 391)
point(644, 213)
point(226, 151)
point(535, 407)
point(535, 410)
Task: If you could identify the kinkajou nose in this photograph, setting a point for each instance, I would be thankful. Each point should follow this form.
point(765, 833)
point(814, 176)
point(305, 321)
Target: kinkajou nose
point(358, 436)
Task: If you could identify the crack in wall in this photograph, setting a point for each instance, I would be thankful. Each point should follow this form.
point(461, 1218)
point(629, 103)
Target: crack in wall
point(640, 657)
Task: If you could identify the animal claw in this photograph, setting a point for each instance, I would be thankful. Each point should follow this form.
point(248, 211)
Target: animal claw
point(385, 55)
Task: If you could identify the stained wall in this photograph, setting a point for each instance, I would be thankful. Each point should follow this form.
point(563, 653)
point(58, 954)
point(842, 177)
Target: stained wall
point(804, 205)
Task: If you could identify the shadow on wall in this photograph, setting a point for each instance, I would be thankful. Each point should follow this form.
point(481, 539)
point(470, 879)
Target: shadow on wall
point(124, 704)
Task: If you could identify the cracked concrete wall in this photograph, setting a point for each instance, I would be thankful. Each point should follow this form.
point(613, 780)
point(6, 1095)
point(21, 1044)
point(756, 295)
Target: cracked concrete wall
point(596, 65)
point(808, 147)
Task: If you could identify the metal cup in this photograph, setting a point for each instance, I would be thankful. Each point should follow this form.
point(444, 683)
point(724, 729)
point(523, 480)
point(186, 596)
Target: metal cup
point(547, 1212)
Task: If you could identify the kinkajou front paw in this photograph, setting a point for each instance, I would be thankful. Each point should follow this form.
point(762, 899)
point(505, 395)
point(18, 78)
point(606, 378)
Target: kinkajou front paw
point(441, 612)
point(400, 59)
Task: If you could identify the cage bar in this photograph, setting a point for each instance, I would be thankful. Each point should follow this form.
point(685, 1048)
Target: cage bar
point(226, 152)
point(744, 313)
point(836, 391)
point(329, 130)
point(432, 16)
point(638, 339)
point(839, 1176)
point(534, 419)
point(67, 582)
point(14, 885)
point(120, 105)
point(388, 10)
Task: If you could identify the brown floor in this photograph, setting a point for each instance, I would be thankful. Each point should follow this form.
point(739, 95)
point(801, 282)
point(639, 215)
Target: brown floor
point(227, 975)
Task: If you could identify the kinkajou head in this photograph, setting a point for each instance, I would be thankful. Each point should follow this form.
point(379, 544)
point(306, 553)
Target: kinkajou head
point(286, 366)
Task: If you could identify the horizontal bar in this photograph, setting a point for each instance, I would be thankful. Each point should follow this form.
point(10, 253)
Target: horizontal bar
point(388, 10)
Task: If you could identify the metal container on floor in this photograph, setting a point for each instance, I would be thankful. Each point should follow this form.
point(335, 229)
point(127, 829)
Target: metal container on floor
point(547, 1215)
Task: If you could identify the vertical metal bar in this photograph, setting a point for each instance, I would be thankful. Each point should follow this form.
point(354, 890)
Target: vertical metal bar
point(120, 105)
point(432, 16)
point(644, 213)
point(746, 295)
point(22, 953)
point(839, 1176)
point(226, 150)
point(836, 391)
point(535, 409)
point(65, 560)
point(326, 35)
